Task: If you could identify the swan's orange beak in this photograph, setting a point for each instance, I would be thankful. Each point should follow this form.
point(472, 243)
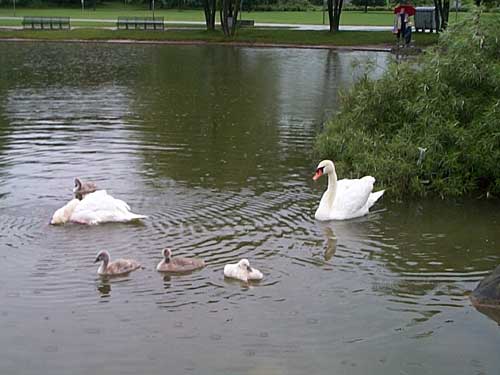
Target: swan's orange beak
point(318, 174)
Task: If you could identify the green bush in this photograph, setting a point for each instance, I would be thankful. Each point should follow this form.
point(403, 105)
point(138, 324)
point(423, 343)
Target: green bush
point(447, 103)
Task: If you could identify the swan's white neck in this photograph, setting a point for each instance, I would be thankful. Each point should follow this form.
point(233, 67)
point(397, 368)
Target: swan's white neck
point(331, 191)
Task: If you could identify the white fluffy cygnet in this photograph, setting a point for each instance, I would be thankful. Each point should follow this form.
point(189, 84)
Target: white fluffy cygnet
point(242, 271)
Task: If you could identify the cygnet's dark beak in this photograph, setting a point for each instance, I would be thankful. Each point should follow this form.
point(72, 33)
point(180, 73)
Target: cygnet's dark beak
point(249, 269)
point(97, 260)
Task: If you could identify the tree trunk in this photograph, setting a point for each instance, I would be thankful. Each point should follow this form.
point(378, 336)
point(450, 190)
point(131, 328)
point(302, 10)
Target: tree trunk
point(437, 16)
point(224, 11)
point(222, 23)
point(229, 16)
point(209, 8)
point(330, 14)
point(237, 4)
point(446, 13)
point(334, 10)
point(337, 10)
point(442, 13)
point(366, 6)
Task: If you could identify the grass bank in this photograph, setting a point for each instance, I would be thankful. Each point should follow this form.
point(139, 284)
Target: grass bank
point(274, 36)
point(427, 128)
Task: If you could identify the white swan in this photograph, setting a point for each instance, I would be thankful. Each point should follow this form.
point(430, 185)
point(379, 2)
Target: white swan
point(95, 208)
point(242, 271)
point(344, 199)
point(115, 268)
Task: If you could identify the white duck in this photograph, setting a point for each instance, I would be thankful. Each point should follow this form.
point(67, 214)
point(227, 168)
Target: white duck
point(344, 199)
point(115, 268)
point(95, 208)
point(242, 271)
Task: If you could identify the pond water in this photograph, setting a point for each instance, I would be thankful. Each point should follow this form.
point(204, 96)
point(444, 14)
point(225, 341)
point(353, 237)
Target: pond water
point(214, 145)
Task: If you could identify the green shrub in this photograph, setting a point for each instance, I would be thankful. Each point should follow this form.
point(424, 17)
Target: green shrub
point(447, 103)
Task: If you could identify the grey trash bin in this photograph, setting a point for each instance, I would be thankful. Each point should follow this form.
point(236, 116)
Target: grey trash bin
point(425, 19)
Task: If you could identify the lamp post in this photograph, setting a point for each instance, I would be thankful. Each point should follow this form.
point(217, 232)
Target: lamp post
point(83, 5)
point(153, 9)
point(14, 8)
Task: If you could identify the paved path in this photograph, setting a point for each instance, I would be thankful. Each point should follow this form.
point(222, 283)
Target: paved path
point(202, 24)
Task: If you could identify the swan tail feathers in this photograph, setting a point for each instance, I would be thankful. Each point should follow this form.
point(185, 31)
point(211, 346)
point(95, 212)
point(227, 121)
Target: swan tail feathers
point(375, 197)
point(132, 216)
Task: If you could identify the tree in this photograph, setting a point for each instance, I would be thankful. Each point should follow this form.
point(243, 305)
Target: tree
point(229, 10)
point(334, 10)
point(442, 13)
point(209, 8)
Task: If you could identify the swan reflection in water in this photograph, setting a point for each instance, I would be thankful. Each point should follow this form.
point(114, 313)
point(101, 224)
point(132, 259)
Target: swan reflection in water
point(104, 287)
point(330, 242)
point(349, 234)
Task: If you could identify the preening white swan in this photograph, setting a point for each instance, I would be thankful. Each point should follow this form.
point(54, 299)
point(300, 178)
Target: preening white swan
point(344, 199)
point(95, 208)
point(115, 268)
point(242, 271)
point(178, 264)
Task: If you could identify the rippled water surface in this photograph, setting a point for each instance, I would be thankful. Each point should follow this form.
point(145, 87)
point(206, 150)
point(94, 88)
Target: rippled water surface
point(214, 145)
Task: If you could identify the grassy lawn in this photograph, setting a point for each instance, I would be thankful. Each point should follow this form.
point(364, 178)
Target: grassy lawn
point(316, 18)
point(277, 36)
point(113, 10)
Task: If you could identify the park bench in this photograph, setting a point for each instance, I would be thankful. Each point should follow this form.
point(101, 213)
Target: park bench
point(140, 23)
point(46, 23)
point(245, 23)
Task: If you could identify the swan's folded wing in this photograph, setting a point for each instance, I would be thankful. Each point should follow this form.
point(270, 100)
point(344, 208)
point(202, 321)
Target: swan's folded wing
point(352, 195)
point(123, 266)
point(102, 201)
point(100, 207)
point(231, 270)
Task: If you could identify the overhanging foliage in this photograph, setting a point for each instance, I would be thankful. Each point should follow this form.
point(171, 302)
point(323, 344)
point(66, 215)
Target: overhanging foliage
point(431, 127)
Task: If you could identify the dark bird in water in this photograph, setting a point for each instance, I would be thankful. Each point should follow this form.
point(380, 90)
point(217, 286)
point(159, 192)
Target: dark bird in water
point(178, 264)
point(83, 188)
